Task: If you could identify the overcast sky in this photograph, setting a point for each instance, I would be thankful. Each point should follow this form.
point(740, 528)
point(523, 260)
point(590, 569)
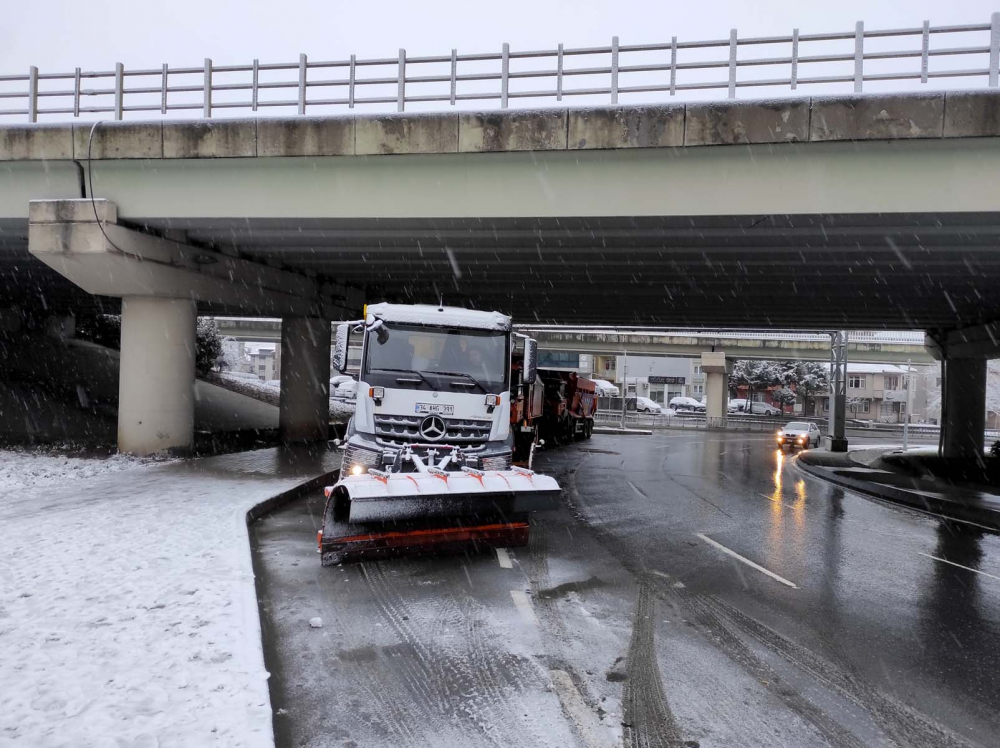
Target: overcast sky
point(62, 34)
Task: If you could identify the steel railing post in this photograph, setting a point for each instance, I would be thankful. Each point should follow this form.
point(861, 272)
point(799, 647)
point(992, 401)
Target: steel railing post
point(76, 93)
point(32, 94)
point(559, 73)
point(254, 87)
point(454, 75)
point(207, 89)
point(504, 74)
point(163, 89)
point(303, 66)
point(350, 82)
point(614, 70)
point(733, 43)
point(673, 65)
point(925, 48)
point(401, 82)
point(994, 48)
point(794, 80)
point(859, 56)
point(119, 91)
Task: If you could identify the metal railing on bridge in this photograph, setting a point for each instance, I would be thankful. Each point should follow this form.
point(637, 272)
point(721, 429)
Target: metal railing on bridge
point(608, 74)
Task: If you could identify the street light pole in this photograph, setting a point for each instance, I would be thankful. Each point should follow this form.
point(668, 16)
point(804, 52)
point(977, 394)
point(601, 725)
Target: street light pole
point(624, 386)
point(906, 421)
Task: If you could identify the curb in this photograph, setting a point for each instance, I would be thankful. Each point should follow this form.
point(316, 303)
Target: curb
point(279, 500)
point(622, 432)
point(947, 509)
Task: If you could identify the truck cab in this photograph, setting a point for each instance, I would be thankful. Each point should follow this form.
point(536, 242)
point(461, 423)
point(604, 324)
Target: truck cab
point(435, 383)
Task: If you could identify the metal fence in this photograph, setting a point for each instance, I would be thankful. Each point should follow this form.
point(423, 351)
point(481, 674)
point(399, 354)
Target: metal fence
point(770, 64)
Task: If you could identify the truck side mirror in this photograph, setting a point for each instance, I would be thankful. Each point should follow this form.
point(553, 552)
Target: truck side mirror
point(530, 360)
point(340, 347)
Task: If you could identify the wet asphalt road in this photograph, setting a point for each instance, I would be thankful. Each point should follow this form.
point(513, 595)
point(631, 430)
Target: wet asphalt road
point(628, 620)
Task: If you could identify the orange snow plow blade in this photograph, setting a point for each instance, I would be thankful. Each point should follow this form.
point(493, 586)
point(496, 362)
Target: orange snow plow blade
point(341, 542)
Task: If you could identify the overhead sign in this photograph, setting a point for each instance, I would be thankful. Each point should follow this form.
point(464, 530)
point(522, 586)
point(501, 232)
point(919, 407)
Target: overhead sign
point(656, 379)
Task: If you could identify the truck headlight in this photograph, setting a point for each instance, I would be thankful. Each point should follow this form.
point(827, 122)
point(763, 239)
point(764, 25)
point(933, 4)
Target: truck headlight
point(358, 460)
point(493, 400)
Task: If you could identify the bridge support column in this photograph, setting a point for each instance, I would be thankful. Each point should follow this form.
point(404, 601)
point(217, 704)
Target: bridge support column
point(304, 410)
point(156, 375)
point(717, 369)
point(964, 412)
point(836, 437)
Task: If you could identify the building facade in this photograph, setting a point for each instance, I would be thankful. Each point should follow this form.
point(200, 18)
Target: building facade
point(878, 393)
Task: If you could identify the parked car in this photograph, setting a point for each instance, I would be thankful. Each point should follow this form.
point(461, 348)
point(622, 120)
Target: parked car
point(606, 388)
point(346, 390)
point(739, 405)
point(645, 405)
point(687, 403)
point(799, 434)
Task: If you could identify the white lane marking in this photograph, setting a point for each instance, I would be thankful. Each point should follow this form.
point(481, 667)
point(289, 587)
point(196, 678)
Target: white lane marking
point(591, 731)
point(952, 563)
point(523, 604)
point(747, 561)
point(504, 558)
point(638, 493)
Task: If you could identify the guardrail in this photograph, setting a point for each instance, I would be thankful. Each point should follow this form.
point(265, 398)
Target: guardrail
point(765, 424)
point(610, 72)
point(897, 337)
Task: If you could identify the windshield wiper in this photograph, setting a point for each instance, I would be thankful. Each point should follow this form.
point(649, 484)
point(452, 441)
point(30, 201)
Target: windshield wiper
point(406, 371)
point(471, 378)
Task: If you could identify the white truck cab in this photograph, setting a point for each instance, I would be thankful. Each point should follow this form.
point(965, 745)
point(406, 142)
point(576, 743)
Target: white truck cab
point(435, 380)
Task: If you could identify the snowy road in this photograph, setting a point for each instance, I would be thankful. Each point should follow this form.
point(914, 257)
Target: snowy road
point(695, 589)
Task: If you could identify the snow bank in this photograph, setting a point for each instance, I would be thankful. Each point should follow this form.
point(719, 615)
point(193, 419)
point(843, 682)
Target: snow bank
point(128, 613)
point(20, 469)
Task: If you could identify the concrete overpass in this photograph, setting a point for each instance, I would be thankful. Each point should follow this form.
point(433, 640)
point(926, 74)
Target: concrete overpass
point(813, 213)
point(863, 346)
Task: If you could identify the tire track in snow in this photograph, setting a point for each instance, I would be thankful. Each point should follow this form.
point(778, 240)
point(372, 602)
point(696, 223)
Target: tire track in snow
point(649, 723)
point(901, 724)
point(689, 606)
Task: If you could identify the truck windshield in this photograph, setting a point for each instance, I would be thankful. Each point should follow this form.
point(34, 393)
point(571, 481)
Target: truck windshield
point(450, 359)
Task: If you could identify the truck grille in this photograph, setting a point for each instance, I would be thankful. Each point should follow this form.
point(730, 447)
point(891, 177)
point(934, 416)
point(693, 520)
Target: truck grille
point(403, 431)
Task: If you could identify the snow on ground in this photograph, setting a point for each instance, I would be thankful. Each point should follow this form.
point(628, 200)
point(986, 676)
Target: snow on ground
point(128, 613)
point(21, 468)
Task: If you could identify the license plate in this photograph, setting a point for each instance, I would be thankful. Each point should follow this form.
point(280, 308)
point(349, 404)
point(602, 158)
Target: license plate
point(444, 410)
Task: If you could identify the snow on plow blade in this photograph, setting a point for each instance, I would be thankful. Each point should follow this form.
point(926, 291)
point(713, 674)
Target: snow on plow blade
point(402, 496)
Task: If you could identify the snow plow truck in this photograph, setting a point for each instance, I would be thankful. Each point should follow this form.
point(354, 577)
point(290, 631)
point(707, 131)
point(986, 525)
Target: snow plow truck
point(428, 453)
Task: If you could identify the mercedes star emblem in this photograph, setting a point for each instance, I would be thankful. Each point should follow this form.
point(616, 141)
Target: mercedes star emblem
point(432, 428)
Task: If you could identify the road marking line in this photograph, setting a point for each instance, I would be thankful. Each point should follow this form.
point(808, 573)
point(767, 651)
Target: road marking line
point(747, 561)
point(591, 731)
point(523, 604)
point(952, 563)
point(639, 493)
point(504, 558)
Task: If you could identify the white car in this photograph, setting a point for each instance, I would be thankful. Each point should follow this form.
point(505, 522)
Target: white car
point(799, 434)
point(645, 405)
point(346, 390)
point(605, 388)
point(756, 408)
point(687, 403)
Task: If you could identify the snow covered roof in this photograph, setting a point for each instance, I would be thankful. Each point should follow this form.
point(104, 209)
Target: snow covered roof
point(426, 314)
